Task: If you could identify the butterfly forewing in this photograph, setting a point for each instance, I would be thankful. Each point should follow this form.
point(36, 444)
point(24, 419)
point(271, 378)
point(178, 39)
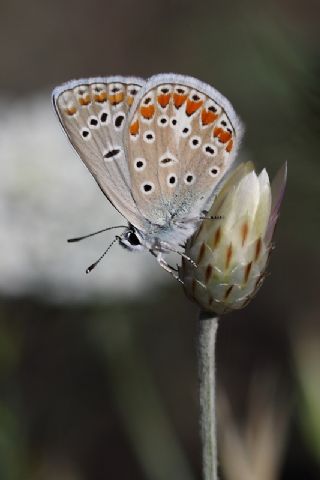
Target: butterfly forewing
point(181, 139)
point(93, 113)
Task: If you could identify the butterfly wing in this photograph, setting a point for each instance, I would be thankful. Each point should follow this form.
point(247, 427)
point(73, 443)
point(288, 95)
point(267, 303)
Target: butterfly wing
point(181, 139)
point(93, 113)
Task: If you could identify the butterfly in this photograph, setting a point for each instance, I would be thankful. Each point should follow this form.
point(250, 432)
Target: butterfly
point(158, 149)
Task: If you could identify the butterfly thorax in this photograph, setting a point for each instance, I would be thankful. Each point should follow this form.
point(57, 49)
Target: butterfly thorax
point(158, 238)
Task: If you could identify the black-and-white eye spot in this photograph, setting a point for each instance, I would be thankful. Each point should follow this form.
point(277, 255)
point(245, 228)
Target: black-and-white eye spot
point(93, 122)
point(214, 171)
point(149, 136)
point(164, 89)
point(185, 132)
point(167, 159)
point(104, 118)
point(209, 150)
point(133, 90)
point(172, 180)
point(119, 120)
point(140, 164)
point(181, 90)
point(147, 188)
point(196, 96)
point(189, 178)
point(85, 133)
point(115, 88)
point(195, 142)
point(173, 122)
point(163, 121)
point(80, 90)
point(111, 154)
point(225, 124)
point(213, 107)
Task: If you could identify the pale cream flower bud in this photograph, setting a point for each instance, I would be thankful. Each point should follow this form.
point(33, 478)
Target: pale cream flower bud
point(232, 252)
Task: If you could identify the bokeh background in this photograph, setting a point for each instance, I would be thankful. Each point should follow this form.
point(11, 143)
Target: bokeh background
point(98, 373)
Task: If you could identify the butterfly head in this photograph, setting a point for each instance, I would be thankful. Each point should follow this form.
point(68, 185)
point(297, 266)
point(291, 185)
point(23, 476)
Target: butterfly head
point(132, 239)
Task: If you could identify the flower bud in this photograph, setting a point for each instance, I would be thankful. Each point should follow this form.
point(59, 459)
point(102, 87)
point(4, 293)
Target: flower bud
point(232, 251)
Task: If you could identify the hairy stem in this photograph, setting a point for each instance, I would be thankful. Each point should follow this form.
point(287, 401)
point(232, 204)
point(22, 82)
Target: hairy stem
point(207, 338)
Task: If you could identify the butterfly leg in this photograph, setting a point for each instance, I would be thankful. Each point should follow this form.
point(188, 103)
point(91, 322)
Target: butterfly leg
point(163, 264)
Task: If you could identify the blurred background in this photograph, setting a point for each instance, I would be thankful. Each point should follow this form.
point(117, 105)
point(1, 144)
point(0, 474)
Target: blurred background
point(98, 373)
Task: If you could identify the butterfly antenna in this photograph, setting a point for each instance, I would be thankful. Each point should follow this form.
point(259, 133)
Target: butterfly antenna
point(93, 265)
point(212, 217)
point(77, 239)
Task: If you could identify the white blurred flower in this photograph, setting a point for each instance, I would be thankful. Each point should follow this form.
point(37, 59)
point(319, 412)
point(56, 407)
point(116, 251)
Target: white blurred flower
point(46, 196)
point(232, 252)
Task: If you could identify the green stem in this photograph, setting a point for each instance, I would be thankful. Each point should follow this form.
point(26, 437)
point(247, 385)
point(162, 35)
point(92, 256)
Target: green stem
point(207, 338)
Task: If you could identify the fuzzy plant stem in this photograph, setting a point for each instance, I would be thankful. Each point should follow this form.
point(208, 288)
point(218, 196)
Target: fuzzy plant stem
point(207, 339)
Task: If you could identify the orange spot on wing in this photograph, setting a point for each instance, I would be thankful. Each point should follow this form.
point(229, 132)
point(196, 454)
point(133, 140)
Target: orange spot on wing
point(193, 106)
point(223, 135)
point(101, 97)
point(217, 131)
point(85, 100)
point(147, 112)
point(134, 128)
point(229, 146)
point(71, 111)
point(178, 99)
point(208, 117)
point(116, 98)
point(164, 99)
point(130, 99)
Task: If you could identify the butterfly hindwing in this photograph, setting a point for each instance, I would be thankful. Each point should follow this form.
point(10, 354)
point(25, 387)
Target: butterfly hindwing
point(181, 139)
point(93, 113)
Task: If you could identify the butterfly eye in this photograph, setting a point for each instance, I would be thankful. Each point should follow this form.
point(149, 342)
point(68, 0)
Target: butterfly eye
point(214, 171)
point(133, 239)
